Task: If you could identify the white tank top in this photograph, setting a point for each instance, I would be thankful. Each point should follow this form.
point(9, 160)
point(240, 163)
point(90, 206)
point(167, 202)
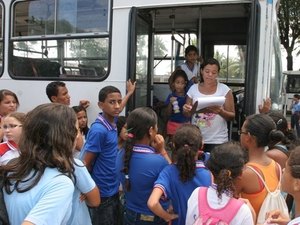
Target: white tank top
point(213, 127)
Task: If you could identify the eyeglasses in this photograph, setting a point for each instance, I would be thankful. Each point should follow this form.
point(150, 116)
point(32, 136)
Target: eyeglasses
point(242, 132)
point(11, 126)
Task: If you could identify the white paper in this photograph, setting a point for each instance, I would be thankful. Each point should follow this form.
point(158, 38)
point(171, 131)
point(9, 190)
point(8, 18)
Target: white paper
point(204, 102)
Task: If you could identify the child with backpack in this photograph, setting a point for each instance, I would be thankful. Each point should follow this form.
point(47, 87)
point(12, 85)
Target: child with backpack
point(177, 181)
point(262, 174)
point(219, 203)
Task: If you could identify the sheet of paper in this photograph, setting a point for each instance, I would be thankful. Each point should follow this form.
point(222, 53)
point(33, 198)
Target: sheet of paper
point(204, 102)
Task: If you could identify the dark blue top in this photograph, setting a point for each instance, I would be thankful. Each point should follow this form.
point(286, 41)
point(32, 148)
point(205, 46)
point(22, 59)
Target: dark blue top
point(102, 140)
point(179, 192)
point(145, 166)
point(178, 117)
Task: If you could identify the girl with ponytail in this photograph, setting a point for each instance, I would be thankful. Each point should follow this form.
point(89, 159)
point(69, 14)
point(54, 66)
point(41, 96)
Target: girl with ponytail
point(226, 163)
point(145, 157)
point(177, 181)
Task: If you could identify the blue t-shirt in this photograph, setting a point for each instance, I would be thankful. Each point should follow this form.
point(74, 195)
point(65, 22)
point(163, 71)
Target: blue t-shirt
point(48, 202)
point(84, 184)
point(178, 117)
point(145, 166)
point(102, 140)
point(177, 191)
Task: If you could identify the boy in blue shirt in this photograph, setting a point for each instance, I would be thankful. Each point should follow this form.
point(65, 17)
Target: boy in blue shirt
point(100, 152)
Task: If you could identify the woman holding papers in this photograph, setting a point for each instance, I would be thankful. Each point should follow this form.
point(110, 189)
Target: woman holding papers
point(211, 105)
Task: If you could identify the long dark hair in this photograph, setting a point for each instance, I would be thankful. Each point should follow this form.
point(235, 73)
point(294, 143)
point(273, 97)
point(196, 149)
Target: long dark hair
point(260, 126)
point(78, 109)
point(47, 140)
point(283, 134)
point(138, 122)
point(187, 141)
point(226, 163)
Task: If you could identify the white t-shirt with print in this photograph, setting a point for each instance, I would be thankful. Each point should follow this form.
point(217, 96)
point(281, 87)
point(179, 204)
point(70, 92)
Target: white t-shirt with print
point(213, 127)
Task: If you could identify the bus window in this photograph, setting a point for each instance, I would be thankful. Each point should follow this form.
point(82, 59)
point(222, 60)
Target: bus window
point(232, 61)
point(66, 39)
point(1, 38)
point(293, 84)
point(165, 61)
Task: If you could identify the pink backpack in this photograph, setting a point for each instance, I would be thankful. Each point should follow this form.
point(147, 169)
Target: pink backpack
point(209, 216)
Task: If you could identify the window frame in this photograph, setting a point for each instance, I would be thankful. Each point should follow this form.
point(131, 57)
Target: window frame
point(103, 36)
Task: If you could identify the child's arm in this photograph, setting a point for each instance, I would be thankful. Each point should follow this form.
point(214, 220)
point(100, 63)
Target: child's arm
point(265, 107)
point(92, 198)
point(277, 217)
point(84, 103)
point(89, 159)
point(155, 206)
point(130, 87)
point(159, 145)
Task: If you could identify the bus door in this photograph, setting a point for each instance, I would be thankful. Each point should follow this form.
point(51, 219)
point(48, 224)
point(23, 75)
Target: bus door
point(139, 59)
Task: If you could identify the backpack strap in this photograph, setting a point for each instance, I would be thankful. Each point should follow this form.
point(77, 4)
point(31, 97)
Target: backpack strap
point(214, 216)
point(262, 179)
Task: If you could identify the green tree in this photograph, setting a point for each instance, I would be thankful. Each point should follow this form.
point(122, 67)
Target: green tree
point(289, 27)
point(160, 48)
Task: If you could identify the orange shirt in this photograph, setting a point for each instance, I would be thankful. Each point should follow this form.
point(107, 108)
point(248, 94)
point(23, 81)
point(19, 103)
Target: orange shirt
point(271, 179)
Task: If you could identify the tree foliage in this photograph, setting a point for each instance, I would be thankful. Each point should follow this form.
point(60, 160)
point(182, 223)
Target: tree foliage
point(289, 27)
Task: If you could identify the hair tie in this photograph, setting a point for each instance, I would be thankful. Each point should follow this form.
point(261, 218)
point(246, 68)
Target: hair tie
point(127, 176)
point(130, 135)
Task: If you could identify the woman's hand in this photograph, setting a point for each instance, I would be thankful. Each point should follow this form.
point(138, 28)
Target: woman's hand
point(214, 109)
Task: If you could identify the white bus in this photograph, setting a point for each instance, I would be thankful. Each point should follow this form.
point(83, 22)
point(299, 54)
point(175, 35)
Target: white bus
point(89, 44)
point(291, 86)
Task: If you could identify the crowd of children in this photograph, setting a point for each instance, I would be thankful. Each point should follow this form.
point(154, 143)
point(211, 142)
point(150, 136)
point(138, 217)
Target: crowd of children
point(58, 170)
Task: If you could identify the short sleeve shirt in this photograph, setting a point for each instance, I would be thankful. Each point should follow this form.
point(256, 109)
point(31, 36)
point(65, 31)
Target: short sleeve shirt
point(178, 191)
point(49, 202)
point(102, 140)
